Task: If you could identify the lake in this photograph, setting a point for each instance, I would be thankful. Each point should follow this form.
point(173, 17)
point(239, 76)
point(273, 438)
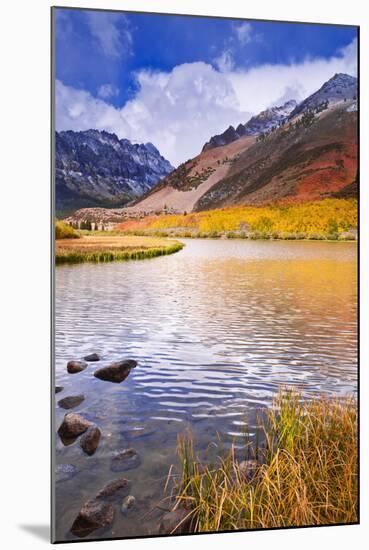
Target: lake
point(216, 328)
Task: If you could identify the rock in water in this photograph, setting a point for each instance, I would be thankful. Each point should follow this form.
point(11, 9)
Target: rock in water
point(125, 460)
point(93, 515)
point(128, 503)
point(58, 389)
point(177, 521)
point(92, 357)
point(73, 425)
point(76, 366)
point(71, 401)
point(114, 488)
point(90, 440)
point(63, 472)
point(116, 372)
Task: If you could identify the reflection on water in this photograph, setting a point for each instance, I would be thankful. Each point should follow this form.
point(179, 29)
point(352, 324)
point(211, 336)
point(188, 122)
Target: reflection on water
point(215, 328)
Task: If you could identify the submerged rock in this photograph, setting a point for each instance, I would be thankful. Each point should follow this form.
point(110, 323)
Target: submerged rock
point(76, 366)
point(128, 459)
point(92, 357)
point(178, 522)
point(93, 515)
point(58, 389)
point(90, 440)
point(63, 472)
point(138, 431)
point(115, 488)
point(127, 503)
point(71, 401)
point(73, 425)
point(116, 372)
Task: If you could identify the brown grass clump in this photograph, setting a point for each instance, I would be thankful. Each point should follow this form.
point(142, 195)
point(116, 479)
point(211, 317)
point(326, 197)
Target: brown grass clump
point(307, 474)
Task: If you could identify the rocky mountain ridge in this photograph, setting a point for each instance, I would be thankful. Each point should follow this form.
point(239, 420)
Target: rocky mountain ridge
point(263, 122)
point(341, 87)
point(96, 168)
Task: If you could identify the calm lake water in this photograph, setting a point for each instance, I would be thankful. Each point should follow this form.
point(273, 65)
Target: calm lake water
point(215, 328)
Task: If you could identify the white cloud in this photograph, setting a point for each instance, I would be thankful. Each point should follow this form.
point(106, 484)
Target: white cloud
point(178, 111)
point(268, 85)
point(225, 61)
point(243, 32)
point(79, 110)
point(107, 91)
point(111, 31)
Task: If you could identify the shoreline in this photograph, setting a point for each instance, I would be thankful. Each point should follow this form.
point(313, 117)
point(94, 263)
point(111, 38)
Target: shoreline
point(161, 234)
point(108, 248)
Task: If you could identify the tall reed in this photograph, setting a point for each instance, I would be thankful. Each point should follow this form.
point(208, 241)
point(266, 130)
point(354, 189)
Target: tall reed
point(306, 475)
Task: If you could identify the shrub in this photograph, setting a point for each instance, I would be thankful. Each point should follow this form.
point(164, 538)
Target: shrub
point(65, 231)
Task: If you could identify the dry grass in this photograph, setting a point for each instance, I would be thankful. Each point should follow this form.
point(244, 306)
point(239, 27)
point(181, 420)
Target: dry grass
point(113, 248)
point(306, 476)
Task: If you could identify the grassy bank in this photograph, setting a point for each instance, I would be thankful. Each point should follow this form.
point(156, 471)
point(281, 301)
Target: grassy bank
point(112, 248)
point(331, 219)
point(305, 475)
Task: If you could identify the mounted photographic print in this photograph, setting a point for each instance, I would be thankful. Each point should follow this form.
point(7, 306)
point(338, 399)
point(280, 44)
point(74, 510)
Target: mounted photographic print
point(205, 213)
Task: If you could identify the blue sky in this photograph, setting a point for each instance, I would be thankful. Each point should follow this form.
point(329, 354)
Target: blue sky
point(112, 64)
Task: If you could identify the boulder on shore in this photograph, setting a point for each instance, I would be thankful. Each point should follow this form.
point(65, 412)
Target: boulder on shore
point(115, 488)
point(90, 440)
point(73, 425)
point(116, 372)
point(76, 366)
point(58, 389)
point(93, 515)
point(128, 459)
point(71, 401)
point(177, 521)
point(92, 357)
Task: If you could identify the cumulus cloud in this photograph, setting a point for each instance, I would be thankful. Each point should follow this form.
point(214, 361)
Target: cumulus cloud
point(111, 31)
point(79, 110)
point(179, 110)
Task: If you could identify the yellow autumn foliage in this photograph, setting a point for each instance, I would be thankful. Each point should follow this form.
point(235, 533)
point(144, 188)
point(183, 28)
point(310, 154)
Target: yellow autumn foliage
point(322, 217)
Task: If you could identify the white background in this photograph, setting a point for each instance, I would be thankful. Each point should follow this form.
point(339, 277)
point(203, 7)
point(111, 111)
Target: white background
point(24, 253)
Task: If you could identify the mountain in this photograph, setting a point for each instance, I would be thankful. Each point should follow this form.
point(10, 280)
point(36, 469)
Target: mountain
point(308, 156)
point(341, 87)
point(95, 168)
point(262, 122)
point(304, 160)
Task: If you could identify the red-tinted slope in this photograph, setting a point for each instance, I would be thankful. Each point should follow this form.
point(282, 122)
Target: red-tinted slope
point(303, 163)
